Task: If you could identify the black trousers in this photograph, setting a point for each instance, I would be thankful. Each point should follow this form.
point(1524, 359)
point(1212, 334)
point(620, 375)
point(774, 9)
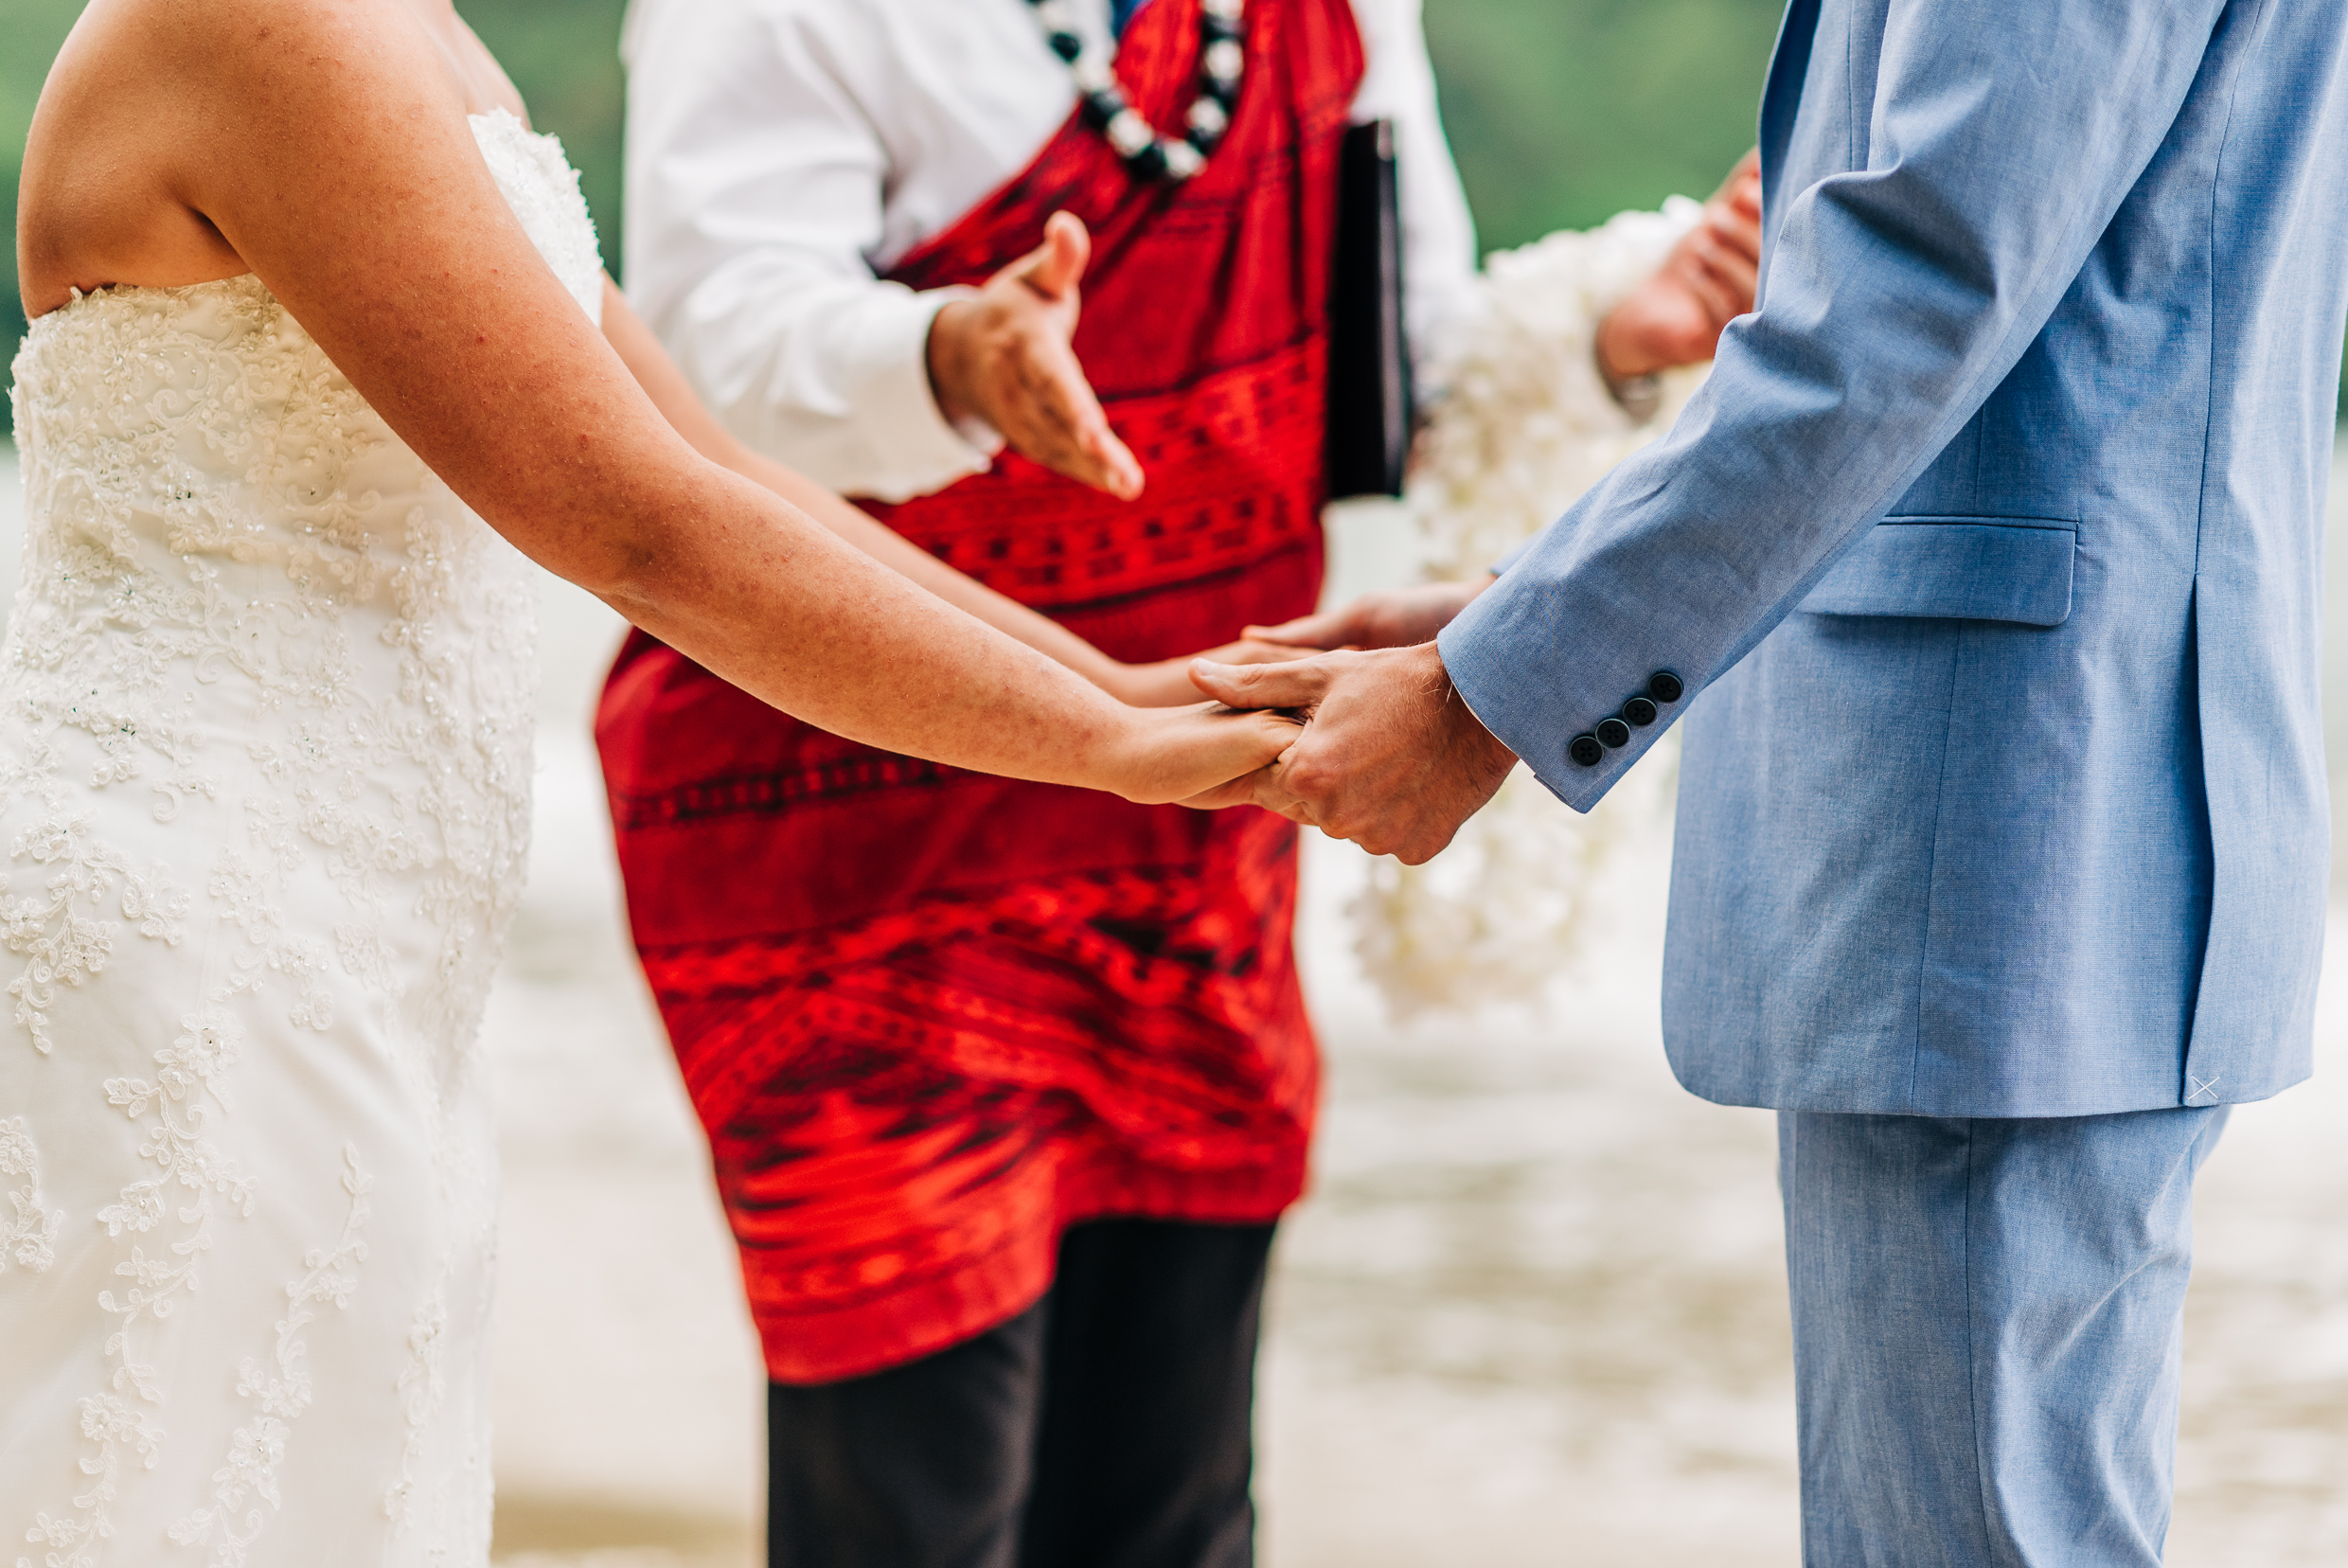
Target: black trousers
point(1107, 1426)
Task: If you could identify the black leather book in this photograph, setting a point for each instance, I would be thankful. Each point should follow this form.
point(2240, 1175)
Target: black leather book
point(1369, 358)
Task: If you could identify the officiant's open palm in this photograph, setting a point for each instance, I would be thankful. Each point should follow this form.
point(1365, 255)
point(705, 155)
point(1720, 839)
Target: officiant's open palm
point(1004, 357)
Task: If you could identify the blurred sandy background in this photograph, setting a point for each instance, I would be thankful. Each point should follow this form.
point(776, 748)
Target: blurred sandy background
point(1531, 1314)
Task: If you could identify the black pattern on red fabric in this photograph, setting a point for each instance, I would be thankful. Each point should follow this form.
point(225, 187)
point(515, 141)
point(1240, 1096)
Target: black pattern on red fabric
point(930, 1018)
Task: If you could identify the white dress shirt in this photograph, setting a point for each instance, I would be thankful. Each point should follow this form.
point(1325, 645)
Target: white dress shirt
point(782, 153)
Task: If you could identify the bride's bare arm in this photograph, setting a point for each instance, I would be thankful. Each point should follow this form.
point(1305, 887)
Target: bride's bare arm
point(686, 413)
point(1164, 684)
point(326, 144)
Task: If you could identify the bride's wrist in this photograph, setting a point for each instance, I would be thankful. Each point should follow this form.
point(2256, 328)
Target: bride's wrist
point(1129, 752)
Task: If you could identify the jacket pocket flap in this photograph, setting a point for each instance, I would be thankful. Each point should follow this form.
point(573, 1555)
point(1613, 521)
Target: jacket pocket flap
point(1968, 568)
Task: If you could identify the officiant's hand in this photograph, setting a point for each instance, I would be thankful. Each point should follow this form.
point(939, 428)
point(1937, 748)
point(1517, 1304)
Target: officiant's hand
point(1390, 756)
point(1004, 357)
point(1707, 281)
point(1392, 618)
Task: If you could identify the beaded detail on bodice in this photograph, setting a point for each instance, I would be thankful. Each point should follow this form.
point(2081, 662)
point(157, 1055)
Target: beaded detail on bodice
point(266, 699)
point(209, 500)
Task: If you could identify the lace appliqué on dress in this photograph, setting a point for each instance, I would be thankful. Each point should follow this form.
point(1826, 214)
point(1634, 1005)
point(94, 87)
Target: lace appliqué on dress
point(280, 1391)
point(422, 1391)
point(60, 932)
point(29, 1230)
point(255, 636)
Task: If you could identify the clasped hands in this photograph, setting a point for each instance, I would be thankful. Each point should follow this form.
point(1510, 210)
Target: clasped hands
point(1389, 755)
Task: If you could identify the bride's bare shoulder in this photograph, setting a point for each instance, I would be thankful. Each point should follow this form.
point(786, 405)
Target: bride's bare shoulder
point(242, 50)
point(150, 101)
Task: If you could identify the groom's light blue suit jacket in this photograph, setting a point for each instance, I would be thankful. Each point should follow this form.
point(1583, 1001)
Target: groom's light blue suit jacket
point(1989, 558)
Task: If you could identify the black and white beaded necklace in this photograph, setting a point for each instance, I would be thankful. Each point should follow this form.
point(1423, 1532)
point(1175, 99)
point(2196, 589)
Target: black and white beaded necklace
point(1223, 53)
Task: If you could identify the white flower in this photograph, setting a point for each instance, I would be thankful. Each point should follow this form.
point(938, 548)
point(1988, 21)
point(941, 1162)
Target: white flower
point(1520, 425)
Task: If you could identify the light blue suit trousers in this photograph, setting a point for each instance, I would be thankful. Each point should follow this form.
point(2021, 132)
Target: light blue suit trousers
point(1987, 1334)
point(1984, 571)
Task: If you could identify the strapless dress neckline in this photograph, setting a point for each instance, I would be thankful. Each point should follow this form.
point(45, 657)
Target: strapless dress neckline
point(533, 174)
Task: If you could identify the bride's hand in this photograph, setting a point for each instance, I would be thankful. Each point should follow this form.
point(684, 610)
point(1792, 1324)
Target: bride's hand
point(1167, 682)
point(1394, 617)
point(1192, 754)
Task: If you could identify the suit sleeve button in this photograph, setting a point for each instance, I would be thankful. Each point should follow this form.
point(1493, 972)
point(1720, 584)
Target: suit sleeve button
point(1585, 750)
point(1613, 732)
point(1639, 713)
point(1664, 686)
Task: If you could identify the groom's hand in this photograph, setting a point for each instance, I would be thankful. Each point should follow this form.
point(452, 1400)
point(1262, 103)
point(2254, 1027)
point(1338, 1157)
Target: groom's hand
point(1004, 358)
point(1391, 758)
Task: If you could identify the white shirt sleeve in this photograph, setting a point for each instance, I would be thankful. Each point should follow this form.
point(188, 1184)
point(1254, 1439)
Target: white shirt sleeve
point(782, 153)
point(754, 222)
point(1438, 235)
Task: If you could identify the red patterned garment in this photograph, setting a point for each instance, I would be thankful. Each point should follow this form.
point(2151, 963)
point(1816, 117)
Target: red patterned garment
point(930, 1018)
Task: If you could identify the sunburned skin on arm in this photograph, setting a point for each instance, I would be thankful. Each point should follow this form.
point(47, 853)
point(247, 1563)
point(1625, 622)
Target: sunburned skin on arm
point(1164, 684)
point(323, 145)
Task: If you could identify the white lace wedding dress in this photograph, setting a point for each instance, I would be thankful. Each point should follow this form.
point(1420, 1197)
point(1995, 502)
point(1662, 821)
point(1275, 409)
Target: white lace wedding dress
point(265, 707)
